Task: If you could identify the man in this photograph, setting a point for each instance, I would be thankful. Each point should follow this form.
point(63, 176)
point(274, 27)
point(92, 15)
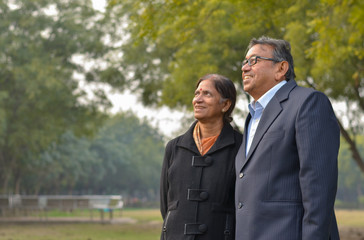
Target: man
point(286, 167)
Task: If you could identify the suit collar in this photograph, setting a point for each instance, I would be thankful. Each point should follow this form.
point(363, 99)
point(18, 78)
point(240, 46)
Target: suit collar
point(270, 113)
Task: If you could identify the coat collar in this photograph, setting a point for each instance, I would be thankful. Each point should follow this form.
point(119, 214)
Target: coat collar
point(270, 113)
point(225, 138)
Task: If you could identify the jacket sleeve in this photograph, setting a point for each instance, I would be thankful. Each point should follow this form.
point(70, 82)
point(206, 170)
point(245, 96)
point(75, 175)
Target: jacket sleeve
point(164, 180)
point(318, 140)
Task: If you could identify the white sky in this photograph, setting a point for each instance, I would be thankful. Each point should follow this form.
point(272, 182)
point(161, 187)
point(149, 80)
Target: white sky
point(165, 119)
point(99, 4)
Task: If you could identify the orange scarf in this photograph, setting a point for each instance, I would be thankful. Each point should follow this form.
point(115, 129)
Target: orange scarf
point(205, 144)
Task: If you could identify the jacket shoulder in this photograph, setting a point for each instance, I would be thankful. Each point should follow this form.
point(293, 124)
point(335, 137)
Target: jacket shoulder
point(304, 92)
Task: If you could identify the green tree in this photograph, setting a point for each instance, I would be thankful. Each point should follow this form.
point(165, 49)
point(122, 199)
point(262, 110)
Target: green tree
point(40, 94)
point(65, 165)
point(124, 156)
point(351, 181)
point(131, 152)
point(171, 43)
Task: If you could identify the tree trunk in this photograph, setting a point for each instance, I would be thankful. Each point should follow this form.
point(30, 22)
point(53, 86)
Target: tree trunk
point(17, 184)
point(353, 148)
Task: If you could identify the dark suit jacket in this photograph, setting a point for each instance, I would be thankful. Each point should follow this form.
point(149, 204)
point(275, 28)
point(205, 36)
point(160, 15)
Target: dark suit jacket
point(286, 186)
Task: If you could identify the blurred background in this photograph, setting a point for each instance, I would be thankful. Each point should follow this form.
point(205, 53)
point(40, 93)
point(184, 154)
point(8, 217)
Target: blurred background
point(91, 91)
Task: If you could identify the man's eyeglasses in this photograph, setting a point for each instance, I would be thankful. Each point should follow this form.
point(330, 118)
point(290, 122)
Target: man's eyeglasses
point(254, 59)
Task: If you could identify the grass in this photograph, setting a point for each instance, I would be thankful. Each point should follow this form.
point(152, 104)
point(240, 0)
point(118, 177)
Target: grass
point(147, 227)
point(79, 232)
point(350, 218)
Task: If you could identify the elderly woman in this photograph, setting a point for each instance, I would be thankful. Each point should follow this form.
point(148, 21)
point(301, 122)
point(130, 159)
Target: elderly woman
point(198, 176)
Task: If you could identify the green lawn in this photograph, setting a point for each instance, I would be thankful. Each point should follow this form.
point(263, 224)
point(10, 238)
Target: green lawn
point(147, 227)
point(79, 232)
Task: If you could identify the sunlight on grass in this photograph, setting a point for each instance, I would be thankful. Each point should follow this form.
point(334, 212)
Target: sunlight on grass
point(350, 218)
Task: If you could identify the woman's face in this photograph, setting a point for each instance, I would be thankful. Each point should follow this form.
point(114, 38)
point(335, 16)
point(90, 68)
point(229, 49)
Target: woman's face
point(207, 104)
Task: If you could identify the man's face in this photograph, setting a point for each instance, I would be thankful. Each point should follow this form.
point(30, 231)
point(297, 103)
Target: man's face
point(260, 77)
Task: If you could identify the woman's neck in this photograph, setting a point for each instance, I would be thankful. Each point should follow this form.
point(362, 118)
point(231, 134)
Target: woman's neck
point(209, 129)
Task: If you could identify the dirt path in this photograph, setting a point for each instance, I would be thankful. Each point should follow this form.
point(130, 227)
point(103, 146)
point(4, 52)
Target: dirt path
point(350, 233)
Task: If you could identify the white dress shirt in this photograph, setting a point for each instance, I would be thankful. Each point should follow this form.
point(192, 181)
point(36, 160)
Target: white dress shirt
point(256, 109)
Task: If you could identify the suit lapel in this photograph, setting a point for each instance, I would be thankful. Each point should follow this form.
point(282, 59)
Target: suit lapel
point(270, 113)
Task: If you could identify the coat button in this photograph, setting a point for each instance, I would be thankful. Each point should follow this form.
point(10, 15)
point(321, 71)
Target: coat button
point(241, 175)
point(204, 195)
point(240, 205)
point(202, 228)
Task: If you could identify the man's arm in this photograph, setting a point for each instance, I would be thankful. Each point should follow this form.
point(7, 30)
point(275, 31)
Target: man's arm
point(318, 140)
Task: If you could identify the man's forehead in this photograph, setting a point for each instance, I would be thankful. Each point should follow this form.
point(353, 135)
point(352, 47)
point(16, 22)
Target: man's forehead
point(259, 48)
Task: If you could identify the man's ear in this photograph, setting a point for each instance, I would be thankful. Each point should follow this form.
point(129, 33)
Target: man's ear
point(281, 71)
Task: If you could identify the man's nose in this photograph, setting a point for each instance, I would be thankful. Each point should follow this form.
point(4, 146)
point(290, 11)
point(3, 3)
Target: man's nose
point(245, 67)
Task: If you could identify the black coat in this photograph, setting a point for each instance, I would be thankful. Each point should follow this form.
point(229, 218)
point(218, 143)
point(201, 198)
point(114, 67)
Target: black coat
point(197, 192)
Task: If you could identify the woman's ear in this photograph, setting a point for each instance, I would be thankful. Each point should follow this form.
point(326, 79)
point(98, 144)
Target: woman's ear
point(227, 105)
point(281, 71)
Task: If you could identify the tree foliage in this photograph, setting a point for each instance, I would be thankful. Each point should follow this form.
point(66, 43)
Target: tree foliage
point(124, 157)
point(171, 43)
point(40, 94)
point(351, 181)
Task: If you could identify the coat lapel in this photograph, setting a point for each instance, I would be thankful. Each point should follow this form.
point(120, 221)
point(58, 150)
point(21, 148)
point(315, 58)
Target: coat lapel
point(225, 138)
point(270, 113)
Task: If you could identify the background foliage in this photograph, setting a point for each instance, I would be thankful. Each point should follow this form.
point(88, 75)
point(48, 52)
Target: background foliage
point(56, 134)
point(172, 43)
point(124, 157)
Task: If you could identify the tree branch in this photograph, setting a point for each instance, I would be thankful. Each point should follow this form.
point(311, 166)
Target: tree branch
point(353, 148)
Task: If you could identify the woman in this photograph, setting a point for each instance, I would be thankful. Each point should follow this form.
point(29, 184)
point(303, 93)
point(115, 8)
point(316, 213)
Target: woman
point(198, 176)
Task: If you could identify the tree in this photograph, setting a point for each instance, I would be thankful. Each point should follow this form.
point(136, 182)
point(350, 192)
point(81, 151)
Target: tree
point(350, 186)
point(65, 165)
point(329, 57)
point(131, 152)
point(124, 156)
point(171, 43)
point(40, 94)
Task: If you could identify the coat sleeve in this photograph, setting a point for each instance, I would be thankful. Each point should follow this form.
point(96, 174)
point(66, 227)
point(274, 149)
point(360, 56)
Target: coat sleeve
point(164, 179)
point(318, 140)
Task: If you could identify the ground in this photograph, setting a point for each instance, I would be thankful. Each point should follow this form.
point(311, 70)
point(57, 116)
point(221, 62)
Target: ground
point(350, 233)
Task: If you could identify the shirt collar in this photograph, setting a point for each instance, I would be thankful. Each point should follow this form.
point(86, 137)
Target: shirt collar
point(263, 101)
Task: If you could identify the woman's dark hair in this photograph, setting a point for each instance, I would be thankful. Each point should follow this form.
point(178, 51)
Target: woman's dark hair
point(227, 90)
point(281, 52)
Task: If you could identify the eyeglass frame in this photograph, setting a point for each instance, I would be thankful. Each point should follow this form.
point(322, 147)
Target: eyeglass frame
point(255, 58)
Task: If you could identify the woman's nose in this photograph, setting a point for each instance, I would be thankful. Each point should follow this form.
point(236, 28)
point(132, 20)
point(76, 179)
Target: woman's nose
point(197, 98)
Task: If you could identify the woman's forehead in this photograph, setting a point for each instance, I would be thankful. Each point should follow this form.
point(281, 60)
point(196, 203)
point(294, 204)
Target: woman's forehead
point(206, 84)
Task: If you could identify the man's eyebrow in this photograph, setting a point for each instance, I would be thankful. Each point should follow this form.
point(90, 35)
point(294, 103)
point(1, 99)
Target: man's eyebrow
point(206, 91)
point(202, 90)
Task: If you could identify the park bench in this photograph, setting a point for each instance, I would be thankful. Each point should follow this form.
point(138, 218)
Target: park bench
point(106, 205)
